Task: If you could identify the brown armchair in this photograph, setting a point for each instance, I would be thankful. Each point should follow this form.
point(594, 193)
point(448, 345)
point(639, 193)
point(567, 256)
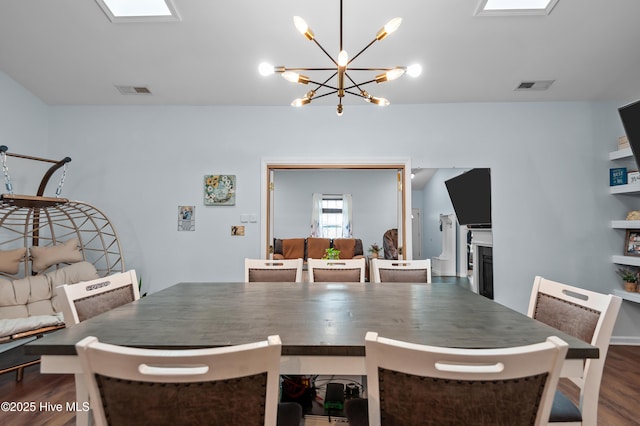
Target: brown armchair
point(390, 244)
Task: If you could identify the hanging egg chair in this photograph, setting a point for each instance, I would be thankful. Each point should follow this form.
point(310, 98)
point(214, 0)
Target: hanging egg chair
point(28, 222)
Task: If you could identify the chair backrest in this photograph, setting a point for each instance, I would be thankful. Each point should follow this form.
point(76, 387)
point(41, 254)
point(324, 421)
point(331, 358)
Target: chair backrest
point(584, 314)
point(87, 299)
point(226, 385)
point(408, 271)
point(266, 270)
point(462, 386)
point(336, 271)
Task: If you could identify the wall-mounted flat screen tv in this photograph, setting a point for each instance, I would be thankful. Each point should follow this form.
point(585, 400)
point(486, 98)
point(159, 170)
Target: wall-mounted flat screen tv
point(470, 195)
point(630, 116)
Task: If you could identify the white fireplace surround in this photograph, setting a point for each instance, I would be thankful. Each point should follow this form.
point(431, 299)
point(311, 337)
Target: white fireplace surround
point(479, 238)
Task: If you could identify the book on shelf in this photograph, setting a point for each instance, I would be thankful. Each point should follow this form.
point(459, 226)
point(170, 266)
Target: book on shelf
point(618, 176)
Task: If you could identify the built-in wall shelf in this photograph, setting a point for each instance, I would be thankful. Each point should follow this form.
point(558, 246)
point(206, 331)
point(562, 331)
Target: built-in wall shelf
point(630, 188)
point(627, 295)
point(622, 157)
point(625, 224)
point(620, 154)
point(626, 260)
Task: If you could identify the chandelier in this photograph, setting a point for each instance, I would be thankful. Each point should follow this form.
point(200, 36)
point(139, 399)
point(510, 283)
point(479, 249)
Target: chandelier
point(340, 79)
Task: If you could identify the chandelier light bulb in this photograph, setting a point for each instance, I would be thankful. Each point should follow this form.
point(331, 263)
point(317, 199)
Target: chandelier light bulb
point(290, 76)
point(303, 28)
point(265, 69)
point(343, 58)
point(300, 102)
point(294, 77)
point(389, 27)
point(390, 75)
point(392, 25)
point(414, 70)
point(339, 110)
point(378, 101)
point(394, 74)
point(301, 24)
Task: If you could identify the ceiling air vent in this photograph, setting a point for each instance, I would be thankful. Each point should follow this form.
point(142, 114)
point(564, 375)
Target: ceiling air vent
point(134, 90)
point(535, 85)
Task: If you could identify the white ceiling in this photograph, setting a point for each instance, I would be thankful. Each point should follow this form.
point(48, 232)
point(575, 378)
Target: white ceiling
point(68, 52)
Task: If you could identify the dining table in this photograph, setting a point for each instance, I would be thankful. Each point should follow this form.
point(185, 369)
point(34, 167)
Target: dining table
point(322, 325)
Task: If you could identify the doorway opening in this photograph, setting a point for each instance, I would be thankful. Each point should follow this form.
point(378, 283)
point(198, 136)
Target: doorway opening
point(403, 197)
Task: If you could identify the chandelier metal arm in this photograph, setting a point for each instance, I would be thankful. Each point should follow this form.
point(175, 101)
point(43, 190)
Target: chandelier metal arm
point(325, 52)
point(306, 69)
point(326, 94)
point(354, 94)
point(369, 69)
point(283, 69)
point(323, 85)
point(357, 85)
point(360, 52)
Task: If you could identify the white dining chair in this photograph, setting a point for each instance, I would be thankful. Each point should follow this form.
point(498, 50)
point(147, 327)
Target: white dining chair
point(339, 270)
point(589, 316)
point(270, 270)
point(226, 385)
point(411, 384)
point(86, 299)
point(408, 271)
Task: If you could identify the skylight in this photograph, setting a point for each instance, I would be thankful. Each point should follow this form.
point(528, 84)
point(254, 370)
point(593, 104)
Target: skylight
point(139, 10)
point(515, 7)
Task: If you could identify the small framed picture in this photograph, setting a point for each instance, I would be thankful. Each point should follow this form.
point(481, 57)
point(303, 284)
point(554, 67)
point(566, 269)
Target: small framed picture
point(632, 243)
point(186, 218)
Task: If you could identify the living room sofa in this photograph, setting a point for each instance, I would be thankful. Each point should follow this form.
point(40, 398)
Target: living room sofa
point(314, 248)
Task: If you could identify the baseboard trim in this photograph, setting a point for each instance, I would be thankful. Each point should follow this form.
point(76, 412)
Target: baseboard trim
point(625, 340)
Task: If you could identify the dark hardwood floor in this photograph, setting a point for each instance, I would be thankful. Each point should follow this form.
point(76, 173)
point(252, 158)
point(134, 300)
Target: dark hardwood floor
point(619, 393)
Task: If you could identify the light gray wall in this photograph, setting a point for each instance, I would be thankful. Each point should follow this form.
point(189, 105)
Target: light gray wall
point(374, 194)
point(551, 205)
point(24, 130)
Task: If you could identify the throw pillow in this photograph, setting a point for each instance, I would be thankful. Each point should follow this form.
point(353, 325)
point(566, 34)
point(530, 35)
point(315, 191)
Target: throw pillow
point(44, 257)
point(10, 260)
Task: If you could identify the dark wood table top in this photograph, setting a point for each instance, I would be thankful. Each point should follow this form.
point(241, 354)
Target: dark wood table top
point(327, 319)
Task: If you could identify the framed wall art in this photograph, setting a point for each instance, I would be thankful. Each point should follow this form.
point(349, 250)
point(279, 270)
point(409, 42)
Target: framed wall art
point(632, 243)
point(220, 190)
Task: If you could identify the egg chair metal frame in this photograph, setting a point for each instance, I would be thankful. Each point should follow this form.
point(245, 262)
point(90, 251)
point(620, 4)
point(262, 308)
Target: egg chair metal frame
point(32, 221)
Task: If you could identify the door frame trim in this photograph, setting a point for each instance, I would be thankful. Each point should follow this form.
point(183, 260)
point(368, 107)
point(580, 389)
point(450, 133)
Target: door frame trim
point(271, 164)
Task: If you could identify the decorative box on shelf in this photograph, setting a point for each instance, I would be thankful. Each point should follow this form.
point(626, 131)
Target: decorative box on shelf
point(623, 142)
point(618, 176)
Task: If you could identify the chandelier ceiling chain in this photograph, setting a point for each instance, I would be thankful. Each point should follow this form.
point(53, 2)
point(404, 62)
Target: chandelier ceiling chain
point(345, 84)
